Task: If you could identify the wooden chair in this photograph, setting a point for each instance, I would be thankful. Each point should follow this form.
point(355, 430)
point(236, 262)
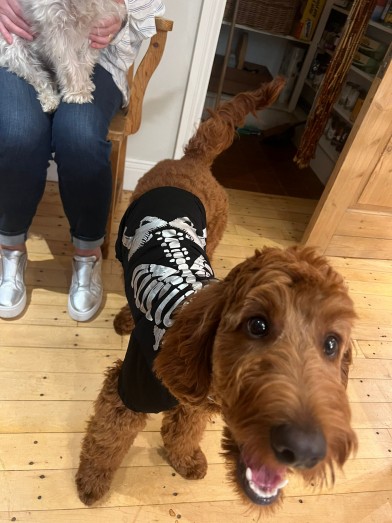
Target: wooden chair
point(128, 122)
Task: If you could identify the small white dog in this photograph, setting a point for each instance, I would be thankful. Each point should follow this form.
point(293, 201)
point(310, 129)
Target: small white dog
point(59, 62)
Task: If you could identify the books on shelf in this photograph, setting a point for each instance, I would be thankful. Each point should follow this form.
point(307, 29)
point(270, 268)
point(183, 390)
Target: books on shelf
point(310, 11)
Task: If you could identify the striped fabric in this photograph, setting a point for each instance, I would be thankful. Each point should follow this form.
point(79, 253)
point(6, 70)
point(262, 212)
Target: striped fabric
point(121, 53)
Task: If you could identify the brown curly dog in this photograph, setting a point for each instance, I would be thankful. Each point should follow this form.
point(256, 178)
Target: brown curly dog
point(268, 347)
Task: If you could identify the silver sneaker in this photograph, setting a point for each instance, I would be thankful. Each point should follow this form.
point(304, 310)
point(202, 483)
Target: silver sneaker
point(85, 294)
point(12, 286)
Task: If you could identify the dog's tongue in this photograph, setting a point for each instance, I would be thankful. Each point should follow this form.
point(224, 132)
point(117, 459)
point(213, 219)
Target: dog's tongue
point(263, 483)
point(267, 479)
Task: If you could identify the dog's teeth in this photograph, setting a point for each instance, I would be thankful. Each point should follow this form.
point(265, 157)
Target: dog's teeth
point(269, 494)
point(254, 487)
point(249, 474)
point(283, 483)
point(262, 493)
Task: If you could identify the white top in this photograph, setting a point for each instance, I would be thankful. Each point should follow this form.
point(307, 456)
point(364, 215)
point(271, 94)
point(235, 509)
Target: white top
point(118, 57)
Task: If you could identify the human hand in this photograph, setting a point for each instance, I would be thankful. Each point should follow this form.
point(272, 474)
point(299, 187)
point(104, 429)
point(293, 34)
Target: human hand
point(102, 34)
point(12, 21)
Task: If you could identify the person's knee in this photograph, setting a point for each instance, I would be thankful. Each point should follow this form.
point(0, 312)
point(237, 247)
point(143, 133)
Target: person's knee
point(83, 146)
point(20, 137)
point(86, 140)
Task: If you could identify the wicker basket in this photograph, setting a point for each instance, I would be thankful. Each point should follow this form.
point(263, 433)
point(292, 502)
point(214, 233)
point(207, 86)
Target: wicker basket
point(274, 16)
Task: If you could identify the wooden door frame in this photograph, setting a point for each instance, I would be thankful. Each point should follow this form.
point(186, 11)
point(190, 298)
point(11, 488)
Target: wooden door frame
point(368, 139)
point(210, 23)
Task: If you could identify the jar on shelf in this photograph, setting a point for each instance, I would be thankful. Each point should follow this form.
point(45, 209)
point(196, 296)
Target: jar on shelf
point(314, 68)
point(345, 93)
point(339, 131)
point(342, 138)
point(352, 97)
point(332, 128)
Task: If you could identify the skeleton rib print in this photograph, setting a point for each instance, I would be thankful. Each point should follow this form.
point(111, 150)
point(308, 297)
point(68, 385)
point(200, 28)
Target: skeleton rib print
point(159, 289)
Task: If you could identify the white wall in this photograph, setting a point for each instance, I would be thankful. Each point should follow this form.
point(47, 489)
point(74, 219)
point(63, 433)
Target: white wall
point(164, 97)
point(176, 93)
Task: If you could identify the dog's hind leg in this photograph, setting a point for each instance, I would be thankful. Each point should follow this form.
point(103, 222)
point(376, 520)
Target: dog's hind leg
point(182, 430)
point(110, 433)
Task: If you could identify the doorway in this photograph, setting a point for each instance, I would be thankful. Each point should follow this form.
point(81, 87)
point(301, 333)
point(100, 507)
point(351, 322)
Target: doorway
point(278, 174)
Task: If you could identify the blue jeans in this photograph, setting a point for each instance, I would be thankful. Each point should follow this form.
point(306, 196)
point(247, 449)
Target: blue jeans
point(75, 135)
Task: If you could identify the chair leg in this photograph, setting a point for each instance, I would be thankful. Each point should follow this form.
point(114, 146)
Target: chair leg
point(118, 166)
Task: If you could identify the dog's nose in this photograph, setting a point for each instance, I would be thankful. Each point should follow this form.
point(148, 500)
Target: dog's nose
point(297, 447)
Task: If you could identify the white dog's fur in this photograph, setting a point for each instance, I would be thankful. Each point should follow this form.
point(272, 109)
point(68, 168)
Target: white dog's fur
point(59, 62)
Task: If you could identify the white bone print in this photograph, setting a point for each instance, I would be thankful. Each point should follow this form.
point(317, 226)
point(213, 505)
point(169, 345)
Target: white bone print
point(166, 283)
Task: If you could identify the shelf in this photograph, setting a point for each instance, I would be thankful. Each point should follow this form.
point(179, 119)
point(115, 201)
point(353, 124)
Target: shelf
point(381, 27)
point(340, 9)
point(343, 113)
point(367, 76)
point(261, 31)
point(372, 23)
point(358, 71)
point(328, 149)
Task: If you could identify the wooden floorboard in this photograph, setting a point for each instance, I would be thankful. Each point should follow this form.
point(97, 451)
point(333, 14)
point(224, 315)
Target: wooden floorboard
point(51, 369)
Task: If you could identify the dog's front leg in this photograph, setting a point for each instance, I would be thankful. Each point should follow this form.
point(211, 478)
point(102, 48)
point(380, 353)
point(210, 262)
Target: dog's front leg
point(110, 433)
point(182, 430)
point(74, 68)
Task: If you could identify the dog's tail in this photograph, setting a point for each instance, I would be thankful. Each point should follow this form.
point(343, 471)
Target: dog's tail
point(217, 133)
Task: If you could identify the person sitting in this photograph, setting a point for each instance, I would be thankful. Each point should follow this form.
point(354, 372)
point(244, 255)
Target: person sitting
point(75, 136)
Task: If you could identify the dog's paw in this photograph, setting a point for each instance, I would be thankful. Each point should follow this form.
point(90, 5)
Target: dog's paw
point(123, 322)
point(190, 467)
point(81, 97)
point(92, 485)
point(49, 101)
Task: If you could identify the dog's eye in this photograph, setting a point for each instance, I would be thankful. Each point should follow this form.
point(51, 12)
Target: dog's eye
point(258, 327)
point(331, 345)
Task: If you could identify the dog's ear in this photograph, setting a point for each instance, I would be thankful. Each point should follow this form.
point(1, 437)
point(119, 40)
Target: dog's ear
point(184, 360)
point(345, 364)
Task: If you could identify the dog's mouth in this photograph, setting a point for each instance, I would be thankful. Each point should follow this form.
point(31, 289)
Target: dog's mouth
point(263, 484)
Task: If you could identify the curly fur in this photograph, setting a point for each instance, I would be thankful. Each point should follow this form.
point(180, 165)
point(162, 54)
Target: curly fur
point(59, 62)
point(280, 391)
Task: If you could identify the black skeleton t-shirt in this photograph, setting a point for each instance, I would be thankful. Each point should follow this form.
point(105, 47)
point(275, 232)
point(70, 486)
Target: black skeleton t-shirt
point(161, 245)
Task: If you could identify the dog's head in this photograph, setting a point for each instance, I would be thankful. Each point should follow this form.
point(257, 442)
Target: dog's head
point(271, 343)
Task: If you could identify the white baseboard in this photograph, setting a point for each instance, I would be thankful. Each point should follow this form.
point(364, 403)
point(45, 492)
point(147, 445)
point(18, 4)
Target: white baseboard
point(134, 169)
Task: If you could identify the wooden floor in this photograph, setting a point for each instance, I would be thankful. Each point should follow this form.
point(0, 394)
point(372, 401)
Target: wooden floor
point(51, 369)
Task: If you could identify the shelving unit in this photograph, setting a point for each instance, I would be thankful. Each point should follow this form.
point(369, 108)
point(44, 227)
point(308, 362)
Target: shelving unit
point(343, 113)
point(260, 31)
point(372, 23)
point(326, 155)
point(268, 49)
